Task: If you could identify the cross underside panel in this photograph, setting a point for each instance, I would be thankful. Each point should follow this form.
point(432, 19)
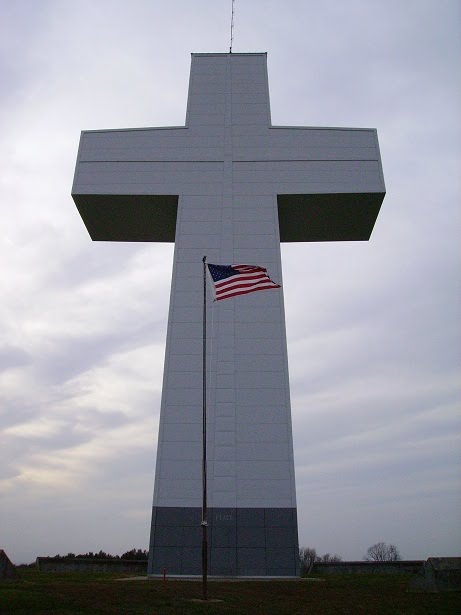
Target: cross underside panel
point(328, 217)
point(129, 217)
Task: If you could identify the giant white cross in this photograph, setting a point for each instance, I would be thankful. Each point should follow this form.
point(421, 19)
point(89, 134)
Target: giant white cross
point(230, 186)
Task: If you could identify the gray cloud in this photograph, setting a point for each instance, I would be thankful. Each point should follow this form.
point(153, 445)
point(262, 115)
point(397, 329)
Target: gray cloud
point(11, 357)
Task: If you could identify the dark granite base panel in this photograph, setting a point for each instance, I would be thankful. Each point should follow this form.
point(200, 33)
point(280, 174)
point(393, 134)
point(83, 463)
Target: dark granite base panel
point(241, 541)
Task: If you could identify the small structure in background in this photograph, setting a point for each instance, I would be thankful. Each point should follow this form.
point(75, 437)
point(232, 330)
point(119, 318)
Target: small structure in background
point(95, 565)
point(7, 569)
point(438, 574)
point(371, 567)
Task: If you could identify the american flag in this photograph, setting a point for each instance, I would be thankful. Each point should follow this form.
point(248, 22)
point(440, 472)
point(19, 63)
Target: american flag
point(233, 280)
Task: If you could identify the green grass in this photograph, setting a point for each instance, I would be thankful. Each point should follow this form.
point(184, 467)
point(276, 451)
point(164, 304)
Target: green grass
point(36, 593)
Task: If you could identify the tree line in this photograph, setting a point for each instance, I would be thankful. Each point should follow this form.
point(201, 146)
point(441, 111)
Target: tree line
point(379, 552)
point(133, 554)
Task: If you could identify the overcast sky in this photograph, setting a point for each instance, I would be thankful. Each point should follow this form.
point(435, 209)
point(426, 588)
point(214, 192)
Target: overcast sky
point(373, 327)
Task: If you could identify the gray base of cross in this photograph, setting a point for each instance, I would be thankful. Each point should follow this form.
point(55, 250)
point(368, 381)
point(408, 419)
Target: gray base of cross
point(244, 542)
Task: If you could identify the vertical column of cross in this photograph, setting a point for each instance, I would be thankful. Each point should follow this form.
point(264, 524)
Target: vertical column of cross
point(224, 483)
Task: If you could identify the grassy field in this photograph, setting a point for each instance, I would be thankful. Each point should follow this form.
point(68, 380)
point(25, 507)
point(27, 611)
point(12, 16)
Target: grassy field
point(38, 593)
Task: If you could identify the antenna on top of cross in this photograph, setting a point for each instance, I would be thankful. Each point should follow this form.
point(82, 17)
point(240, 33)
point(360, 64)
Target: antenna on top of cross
point(232, 27)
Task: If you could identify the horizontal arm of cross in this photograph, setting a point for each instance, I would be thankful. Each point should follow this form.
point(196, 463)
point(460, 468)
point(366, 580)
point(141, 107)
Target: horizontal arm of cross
point(328, 182)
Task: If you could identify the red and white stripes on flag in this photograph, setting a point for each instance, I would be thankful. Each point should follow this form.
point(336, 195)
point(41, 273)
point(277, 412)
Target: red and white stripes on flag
point(233, 280)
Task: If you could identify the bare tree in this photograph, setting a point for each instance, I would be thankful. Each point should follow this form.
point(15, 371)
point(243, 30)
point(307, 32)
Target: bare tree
point(381, 552)
point(307, 557)
point(331, 558)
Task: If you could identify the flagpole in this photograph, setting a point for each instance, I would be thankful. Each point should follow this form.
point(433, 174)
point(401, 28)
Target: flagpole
point(204, 468)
